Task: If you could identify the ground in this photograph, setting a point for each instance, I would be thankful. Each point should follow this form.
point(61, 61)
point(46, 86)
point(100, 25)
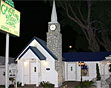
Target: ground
point(65, 85)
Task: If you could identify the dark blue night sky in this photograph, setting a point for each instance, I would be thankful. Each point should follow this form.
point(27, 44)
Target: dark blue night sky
point(35, 16)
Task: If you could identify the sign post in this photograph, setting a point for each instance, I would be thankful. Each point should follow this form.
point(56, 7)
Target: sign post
point(81, 64)
point(9, 24)
point(6, 61)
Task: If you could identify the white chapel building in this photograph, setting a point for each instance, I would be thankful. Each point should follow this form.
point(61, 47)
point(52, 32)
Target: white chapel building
point(44, 61)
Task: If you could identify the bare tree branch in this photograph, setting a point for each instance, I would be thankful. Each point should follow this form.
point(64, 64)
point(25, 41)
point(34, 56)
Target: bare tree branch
point(74, 14)
point(96, 22)
point(81, 15)
point(106, 41)
point(89, 12)
point(67, 12)
point(84, 31)
point(61, 3)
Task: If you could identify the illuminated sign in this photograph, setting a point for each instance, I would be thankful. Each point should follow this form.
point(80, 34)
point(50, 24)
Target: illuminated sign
point(9, 19)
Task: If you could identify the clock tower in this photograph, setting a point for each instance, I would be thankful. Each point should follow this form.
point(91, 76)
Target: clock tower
point(54, 42)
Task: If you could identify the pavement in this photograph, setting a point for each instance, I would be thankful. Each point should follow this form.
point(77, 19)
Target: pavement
point(67, 84)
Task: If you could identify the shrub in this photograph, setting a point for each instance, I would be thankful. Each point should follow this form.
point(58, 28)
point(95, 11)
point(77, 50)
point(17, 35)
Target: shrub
point(12, 80)
point(19, 84)
point(2, 86)
point(85, 84)
point(78, 86)
point(11, 86)
point(46, 85)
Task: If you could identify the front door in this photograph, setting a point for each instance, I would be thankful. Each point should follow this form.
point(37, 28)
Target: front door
point(71, 72)
point(33, 73)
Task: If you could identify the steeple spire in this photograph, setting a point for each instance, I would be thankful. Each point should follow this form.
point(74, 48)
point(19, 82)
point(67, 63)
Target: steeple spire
point(54, 13)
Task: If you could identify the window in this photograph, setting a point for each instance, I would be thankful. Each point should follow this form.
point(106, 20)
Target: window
point(34, 69)
point(71, 68)
point(85, 71)
point(10, 71)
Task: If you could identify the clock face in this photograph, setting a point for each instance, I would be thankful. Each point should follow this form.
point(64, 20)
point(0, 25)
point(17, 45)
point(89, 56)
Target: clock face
point(52, 27)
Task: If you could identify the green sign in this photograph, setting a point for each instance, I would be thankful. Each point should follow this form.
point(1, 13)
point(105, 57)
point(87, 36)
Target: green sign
point(10, 2)
point(9, 19)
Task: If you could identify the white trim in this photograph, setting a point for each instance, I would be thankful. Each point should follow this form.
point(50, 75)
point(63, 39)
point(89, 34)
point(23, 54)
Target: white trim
point(22, 73)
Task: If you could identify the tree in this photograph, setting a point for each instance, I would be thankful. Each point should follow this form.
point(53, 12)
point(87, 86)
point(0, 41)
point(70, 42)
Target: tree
point(93, 29)
point(105, 40)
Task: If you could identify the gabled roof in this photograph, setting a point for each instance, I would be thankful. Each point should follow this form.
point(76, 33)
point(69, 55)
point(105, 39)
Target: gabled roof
point(35, 51)
point(85, 56)
point(42, 43)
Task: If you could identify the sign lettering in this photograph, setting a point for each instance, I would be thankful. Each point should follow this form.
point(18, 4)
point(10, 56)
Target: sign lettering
point(10, 19)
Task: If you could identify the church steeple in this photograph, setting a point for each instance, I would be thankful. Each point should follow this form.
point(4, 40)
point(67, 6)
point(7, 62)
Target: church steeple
point(54, 13)
point(54, 42)
point(54, 37)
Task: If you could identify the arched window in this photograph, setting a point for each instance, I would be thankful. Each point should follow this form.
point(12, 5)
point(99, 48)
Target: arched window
point(85, 70)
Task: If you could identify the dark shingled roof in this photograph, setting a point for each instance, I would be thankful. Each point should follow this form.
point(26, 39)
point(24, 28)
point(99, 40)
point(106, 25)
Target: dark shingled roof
point(35, 51)
point(38, 53)
point(85, 56)
point(42, 43)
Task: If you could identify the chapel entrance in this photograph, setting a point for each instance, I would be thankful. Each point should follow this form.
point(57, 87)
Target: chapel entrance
point(33, 73)
point(30, 72)
point(71, 72)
